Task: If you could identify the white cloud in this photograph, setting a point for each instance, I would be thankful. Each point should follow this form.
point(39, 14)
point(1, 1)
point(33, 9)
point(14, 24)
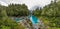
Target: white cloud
point(29, 3)
point(2, 3)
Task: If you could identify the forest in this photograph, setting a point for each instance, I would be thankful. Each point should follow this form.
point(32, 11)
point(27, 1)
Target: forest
point(50, 15)
point(13, 10)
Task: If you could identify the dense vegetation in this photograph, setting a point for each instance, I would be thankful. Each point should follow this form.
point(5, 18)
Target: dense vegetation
point(13, 10)
point(17, 10)
point(50, 15)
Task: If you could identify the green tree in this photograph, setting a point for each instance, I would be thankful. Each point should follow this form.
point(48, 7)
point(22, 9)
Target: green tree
point(17, 10)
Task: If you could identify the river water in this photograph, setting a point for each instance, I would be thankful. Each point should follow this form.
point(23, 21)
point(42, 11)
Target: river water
point(35, 21)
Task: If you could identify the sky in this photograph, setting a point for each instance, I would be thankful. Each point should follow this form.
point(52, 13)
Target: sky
point(29, 3)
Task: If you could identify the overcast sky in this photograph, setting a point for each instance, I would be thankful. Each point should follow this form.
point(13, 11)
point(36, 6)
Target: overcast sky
point(29, 3)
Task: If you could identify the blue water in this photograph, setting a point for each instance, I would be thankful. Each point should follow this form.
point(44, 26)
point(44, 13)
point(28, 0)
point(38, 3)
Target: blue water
point(34, 19)
point(18, 19)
